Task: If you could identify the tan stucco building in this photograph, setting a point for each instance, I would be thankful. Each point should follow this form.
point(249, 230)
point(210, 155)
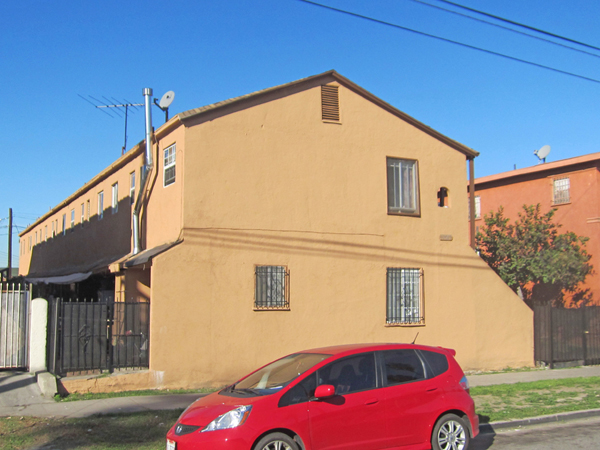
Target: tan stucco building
point(305, 215)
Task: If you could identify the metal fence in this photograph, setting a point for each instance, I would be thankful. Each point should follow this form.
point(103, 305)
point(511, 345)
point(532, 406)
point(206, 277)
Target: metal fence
point(97, 336)
point(14, 325)
point(567, 336)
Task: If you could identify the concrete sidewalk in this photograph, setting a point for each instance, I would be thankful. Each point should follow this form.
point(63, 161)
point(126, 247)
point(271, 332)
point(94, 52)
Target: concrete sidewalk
point(20, 395)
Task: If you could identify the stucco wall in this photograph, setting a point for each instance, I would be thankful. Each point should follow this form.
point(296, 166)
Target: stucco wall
point(274, 185)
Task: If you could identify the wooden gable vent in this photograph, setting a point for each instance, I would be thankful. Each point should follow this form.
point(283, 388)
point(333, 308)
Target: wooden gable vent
point(330, 103)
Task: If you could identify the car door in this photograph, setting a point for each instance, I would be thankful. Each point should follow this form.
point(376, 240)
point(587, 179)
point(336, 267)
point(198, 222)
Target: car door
point(411, 400)
point(354, 418)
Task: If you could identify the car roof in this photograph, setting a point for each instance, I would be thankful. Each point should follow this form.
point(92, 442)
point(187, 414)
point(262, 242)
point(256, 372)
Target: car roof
point(340, 350)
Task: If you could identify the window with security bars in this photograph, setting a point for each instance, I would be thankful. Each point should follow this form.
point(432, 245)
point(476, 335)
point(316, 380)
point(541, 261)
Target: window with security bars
point(169, 165)
point(561, 191)
point(404, 296)
point(271, 290)
point(403, 186)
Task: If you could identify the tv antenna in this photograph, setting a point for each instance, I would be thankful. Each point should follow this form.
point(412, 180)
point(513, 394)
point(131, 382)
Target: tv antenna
point(542, 153)
point(164, 104)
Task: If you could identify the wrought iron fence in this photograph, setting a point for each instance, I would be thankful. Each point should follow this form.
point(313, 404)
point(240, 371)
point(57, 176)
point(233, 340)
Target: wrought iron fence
point(97, 336)
point(567, 336)
point(14, 325)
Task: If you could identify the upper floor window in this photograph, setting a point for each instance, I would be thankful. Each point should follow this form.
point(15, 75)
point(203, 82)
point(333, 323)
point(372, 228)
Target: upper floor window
point(87, 209)
point(115, 198)
point(404, 296)
point(402, 186)
point(100, 205)
point(45, 233)
point(53, 229)
point(271, 291)
point(132, 187)
point(477, 208)
point(82, 218)
point(73, 218)
point(561, 190)
point(169, 165)
point(64, 224)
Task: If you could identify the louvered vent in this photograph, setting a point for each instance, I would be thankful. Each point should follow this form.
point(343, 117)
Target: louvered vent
point(330, 103)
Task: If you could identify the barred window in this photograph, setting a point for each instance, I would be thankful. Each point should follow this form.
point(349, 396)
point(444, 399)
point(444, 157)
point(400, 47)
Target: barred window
point(169, 165)
point(271, 290)
point(404, 296)
point(403, 186)
point(561, 191)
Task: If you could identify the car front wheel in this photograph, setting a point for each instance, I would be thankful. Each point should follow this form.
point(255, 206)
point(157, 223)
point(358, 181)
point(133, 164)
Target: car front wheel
point(276, 441)
point(450, 433)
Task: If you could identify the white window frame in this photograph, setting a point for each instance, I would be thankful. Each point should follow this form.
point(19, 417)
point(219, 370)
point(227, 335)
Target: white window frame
point(403, 186)
point(404, 303)
point(73, 218)
point(64, 223)
point(100, 205)
point(115, 198)
point(561, 191)
point(82, 213)
point(169, 164)
point(132, 187)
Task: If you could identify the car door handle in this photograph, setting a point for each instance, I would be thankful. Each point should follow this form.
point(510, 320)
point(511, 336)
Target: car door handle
point(371, 401)
point(432, 389)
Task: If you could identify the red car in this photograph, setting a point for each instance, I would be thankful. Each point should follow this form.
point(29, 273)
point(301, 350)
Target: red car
point(363, 397)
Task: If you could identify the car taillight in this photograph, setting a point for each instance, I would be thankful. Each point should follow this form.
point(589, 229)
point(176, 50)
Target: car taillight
point(464, 383)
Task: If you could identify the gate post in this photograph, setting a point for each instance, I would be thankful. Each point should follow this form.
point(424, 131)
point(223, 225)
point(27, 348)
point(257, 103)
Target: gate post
point(38, 336)
point(110, 305)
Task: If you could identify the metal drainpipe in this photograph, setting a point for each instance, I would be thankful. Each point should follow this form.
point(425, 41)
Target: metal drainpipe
point(145, 171)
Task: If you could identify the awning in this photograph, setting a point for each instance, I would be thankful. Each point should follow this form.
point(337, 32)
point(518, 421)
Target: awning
point(144, 256)
point(63, 279)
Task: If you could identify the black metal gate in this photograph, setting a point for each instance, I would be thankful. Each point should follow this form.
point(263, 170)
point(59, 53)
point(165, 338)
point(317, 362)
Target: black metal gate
point(566, 337)
point(97, 336)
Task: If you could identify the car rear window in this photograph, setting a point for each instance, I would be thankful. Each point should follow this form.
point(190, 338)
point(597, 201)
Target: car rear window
point(438, 363)
point(402, 366)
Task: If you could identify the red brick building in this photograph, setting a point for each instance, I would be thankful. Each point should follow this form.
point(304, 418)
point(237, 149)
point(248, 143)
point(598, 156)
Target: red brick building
point(572, 186)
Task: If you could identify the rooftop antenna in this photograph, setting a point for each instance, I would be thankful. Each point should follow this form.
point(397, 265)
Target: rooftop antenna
point(164, 104)
point(542, 153)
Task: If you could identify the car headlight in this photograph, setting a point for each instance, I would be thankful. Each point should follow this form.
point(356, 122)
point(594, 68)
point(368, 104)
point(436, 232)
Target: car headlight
point(231, 419)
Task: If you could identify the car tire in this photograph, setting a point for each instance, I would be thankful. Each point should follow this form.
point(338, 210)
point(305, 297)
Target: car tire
point(450, 433)
point(276, 441)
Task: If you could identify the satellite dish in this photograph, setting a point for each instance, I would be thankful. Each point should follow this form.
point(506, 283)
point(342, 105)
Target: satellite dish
point(542, 153)
point(167, 99)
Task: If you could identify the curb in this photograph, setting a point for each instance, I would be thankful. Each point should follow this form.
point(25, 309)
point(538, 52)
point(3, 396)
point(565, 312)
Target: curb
point(487, 428)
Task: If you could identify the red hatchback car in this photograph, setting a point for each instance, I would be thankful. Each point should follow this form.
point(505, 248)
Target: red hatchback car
point(362, 397)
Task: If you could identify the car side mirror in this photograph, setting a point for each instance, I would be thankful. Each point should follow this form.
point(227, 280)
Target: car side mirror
point(324, 391)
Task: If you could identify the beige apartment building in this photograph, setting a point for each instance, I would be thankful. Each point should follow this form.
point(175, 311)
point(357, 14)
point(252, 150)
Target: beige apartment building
point(304, 215)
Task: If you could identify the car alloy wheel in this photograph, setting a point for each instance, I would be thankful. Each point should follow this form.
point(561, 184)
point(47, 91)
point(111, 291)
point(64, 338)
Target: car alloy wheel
point(450, 433)
point(276, 441)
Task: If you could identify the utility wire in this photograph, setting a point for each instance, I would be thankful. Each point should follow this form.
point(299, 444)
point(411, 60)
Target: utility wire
point(539, 38)
point(490, 52)
point(547, 33)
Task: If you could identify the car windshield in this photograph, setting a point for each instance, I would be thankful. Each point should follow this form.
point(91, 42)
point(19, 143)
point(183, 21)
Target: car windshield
point(278, 374)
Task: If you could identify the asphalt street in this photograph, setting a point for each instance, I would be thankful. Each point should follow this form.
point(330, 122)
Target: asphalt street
point(572, 435)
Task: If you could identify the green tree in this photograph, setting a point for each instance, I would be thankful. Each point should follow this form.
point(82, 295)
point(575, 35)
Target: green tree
point(531, 255)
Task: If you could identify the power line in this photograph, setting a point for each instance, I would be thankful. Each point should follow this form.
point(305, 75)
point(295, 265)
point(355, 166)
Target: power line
point(547, 33)
point(490, 52)
point(549, 41)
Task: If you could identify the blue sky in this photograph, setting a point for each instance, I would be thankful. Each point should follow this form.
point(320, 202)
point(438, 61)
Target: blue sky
point(207, 51)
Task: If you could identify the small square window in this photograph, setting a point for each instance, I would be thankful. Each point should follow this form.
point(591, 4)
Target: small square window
point(169, 165)
point(403, 186)
point(561, 191)
point(271, 289)
point(404, 297)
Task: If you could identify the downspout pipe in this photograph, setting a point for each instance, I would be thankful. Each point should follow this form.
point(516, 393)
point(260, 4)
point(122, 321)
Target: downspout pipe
point(146, 169)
